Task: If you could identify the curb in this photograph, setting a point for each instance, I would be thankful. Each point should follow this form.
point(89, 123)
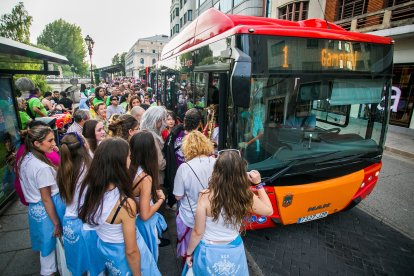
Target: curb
point(399, 152)
point(254, 269)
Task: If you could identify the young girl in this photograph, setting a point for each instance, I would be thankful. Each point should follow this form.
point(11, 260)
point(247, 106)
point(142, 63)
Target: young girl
point(94, 133)
point(110, 207)
point(46, 209)
point(170, 122)
point(221, 208)
point(144, 170)
point(80, 245)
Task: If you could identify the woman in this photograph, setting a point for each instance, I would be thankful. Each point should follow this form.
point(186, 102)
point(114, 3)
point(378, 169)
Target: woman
point(46, 209)
point(125, 101)
point(153, 120)
point(125, 127)
point(110, 207)
point(99, 96)
point(80, 244)
point(220, 213)
point(100, 111)
point(170, 121)
point(191, 178)
point(94, 133)
point(23, 116)
point(133, 101)
point(146, 189)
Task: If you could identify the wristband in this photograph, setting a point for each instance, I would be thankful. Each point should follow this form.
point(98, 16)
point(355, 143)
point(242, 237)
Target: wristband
point(187, 255)
point(260, 186)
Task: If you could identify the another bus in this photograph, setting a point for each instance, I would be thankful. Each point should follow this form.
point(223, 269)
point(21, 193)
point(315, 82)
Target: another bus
point(306, 102)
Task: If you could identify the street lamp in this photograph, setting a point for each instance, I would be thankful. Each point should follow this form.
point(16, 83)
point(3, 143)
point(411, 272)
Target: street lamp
point(89, 42)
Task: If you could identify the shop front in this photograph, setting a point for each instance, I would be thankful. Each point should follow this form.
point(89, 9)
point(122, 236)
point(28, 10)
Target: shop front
point(403, 91)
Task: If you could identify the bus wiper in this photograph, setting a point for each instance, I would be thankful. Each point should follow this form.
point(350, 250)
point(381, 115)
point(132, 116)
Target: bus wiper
point(351, 158)
point(296, 162)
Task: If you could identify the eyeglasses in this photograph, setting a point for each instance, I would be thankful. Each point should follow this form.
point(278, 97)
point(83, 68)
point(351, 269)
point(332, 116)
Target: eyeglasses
point(235, 150)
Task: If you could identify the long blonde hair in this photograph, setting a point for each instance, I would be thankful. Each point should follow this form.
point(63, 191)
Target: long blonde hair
point(230, 189)
point(195, 144)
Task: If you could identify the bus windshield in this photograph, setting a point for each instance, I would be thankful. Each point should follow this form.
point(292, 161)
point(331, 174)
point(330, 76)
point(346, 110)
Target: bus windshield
point(313, 100)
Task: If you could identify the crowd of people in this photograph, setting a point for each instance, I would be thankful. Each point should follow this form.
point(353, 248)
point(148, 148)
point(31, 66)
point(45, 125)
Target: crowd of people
point(120, 160)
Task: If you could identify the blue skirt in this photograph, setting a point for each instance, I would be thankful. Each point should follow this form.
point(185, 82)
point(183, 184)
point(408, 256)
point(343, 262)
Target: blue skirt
point(41, 227)
point(116, 262)
point(219, 259)
point(80, 248)
point(150, 230)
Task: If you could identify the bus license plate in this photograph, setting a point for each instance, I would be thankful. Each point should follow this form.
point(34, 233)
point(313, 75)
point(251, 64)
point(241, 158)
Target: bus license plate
point(312, 217)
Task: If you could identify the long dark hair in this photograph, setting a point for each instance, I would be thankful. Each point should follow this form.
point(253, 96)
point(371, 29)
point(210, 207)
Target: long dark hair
point(144, 154)
point(97, 92)
point(75, 161)
point(88, 131)
point(230, 189)
point(36, 133)
point(109, 166)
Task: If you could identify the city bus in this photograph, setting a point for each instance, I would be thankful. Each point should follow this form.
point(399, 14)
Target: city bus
point(306, 102)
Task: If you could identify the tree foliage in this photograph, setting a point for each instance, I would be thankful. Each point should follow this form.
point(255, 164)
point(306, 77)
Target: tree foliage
point(119, 58)
point(16, 25)
point(66, 39)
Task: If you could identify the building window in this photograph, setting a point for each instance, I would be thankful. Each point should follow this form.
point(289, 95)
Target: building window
point(171, 32)
point(181, 4)
point(177, 12)
point(142, 50)
point(190, 15)
point(141, 61)
point(391, 3)
point(226, 5)
point(351, 8)
point(154, 61)
point(185, 1)
point(181, 22)
point(153, 51)
point(236, 2)
point(294, 11)
point(177, 28)
point(185, 18)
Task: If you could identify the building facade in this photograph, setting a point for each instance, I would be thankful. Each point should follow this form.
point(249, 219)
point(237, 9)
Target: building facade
point(145, 52)
point(182, 12)
point(297, 10)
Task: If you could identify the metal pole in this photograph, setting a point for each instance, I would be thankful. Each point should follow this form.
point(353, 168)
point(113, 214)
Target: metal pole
point(90, 57)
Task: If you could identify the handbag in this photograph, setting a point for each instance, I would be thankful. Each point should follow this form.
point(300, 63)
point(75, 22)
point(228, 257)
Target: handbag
point(61, 259)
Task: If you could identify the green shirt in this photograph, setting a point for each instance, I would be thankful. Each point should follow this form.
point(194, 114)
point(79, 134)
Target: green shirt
point(96, 101)
point(35, 102)
point(24, 119)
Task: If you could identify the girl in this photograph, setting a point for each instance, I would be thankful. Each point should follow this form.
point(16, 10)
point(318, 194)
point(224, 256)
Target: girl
point(100, 110)
point(221, 208)
point(170, 121)
point(80, 245)
point(144, 171)
point(94, 133)
point(133, 101)
point(110, 207)
point(38, 178)
point(125, 127)
point(191, 178)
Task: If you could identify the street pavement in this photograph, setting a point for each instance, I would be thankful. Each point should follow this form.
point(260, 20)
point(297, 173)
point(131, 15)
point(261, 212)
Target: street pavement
point(375, 238)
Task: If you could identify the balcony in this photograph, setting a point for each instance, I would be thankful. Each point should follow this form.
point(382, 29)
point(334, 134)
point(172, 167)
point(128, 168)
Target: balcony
point(396, 16)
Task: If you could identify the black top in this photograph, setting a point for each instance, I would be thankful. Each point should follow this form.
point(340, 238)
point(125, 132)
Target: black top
point(67, 103)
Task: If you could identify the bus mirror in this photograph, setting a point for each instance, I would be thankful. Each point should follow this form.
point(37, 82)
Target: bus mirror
point(240, 79)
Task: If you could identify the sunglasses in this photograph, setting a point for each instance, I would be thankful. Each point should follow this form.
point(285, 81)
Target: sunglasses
point(228, 150)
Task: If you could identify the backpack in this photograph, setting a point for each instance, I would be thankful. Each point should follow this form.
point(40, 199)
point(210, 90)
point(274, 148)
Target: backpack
point(171, 163)
point(29, 110)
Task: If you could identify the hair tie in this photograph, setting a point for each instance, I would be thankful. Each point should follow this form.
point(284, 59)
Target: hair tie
point(80, 140)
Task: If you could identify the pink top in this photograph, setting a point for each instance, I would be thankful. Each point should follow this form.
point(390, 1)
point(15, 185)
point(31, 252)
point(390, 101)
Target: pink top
point(53, 157)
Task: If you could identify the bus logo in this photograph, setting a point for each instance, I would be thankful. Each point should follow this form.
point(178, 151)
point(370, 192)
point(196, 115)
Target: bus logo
point(287, 200)
point(314, 208)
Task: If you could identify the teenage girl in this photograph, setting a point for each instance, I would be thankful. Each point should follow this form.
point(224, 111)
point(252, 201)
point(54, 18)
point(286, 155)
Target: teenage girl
point(144, 171)
point(46, 209)
point(80, 244)
point(110, 207)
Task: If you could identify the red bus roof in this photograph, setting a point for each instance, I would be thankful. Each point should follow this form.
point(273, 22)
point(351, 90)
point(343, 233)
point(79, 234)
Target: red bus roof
point(213, 23)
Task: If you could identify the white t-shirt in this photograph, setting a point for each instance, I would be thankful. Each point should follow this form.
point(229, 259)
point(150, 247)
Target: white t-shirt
point(186, 184)
point(34, 175)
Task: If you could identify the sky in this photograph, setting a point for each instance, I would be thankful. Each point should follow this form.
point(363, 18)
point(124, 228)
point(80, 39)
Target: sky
point(114, 25)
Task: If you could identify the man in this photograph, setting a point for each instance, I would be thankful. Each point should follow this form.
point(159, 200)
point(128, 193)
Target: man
point(35, 107)
point(80, 117)
point(55, 97)
point(67, 103)
point(114, 108)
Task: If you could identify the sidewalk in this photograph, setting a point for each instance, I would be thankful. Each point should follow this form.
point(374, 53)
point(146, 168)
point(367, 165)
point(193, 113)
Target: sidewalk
point(400, 141)
point(17, 257)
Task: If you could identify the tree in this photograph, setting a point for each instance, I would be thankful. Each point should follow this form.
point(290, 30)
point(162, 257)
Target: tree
point(115, 59)
point(66, 39)
point(122, 58)
point(16, 25)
